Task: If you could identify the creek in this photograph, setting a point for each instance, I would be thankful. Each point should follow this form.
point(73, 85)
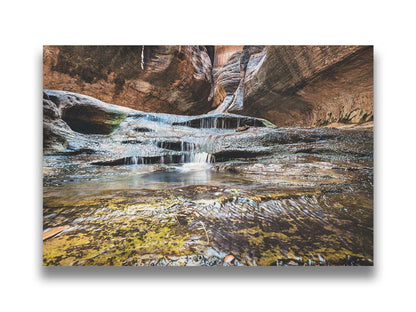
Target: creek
point(211, 190)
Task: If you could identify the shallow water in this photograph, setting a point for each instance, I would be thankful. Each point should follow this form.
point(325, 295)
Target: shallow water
point(307, 202)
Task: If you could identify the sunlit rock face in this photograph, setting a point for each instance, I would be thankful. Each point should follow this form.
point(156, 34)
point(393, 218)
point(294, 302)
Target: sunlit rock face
point(222, 54)
point(288, 85)
point(229, 79)
point(170, 79)
point(298, 85)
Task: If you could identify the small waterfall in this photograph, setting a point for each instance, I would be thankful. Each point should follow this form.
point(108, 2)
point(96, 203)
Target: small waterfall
point(156, 141)
point(197, 152)
point(176, 152)
point(197, 161)
point(133, 160)
point(220, 122)
point(142, 58)
point(202, 157)
point(209, 123)
point(193, 152)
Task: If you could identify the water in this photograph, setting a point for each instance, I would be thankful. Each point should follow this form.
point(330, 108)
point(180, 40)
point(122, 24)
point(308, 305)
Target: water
point(142, 58)
point(163, 197)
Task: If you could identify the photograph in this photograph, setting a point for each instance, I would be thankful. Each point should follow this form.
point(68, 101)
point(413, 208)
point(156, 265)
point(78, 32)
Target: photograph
point(208, 155)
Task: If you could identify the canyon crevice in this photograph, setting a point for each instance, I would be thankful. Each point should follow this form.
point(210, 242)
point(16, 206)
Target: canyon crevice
point(288, 85)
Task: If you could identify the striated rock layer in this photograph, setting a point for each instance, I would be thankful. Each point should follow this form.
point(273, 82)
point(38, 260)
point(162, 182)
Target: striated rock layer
point(170, 79)
point(72, 122)
point(223, 53)
point(298, 85)
point(288, 85)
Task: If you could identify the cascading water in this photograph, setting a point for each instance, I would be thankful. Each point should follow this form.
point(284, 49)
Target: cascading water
point(142, 58)
point(174, 139)
point(196, 152)
point(159, 146)
point(202, 157)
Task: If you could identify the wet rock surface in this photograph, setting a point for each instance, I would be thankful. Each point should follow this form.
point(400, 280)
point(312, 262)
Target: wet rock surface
point(85, 114)
point(181, 195)
point(223, 121)
point(56, 132)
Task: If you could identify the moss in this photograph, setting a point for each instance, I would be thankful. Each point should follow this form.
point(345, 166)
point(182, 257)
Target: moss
point(270, 256)
point(267, 123)
point(115, 122)
point(129, 228)
point(60, 250)
point(267, 196)
point(112, 243)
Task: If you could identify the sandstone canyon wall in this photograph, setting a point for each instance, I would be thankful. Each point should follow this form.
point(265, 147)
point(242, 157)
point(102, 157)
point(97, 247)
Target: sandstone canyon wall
point(298, 85)
point(170, 79)
point(288, 85)
point(223, 53)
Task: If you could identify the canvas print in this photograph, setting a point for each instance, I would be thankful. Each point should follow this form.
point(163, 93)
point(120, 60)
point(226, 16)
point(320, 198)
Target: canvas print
point(207, 155)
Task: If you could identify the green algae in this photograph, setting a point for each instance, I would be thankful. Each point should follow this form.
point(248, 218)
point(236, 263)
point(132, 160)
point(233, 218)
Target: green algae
point(112, 245)
point(267, 123)
point(143, 227)
point(129, 234)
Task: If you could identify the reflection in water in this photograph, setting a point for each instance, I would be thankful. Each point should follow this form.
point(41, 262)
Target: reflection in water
point(188, 176)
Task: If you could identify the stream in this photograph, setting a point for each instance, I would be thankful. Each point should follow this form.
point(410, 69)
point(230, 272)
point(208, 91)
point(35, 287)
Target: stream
point(224, 189)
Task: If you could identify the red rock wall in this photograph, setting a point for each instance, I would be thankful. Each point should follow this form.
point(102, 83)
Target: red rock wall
point(289, 85)
point(174, 79)
point(223, 53)
point(310, 85)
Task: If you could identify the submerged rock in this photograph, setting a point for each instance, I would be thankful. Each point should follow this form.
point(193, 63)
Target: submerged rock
point(53, 232)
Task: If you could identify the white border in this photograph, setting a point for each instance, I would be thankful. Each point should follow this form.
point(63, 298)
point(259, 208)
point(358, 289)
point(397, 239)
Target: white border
point(27, 25)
